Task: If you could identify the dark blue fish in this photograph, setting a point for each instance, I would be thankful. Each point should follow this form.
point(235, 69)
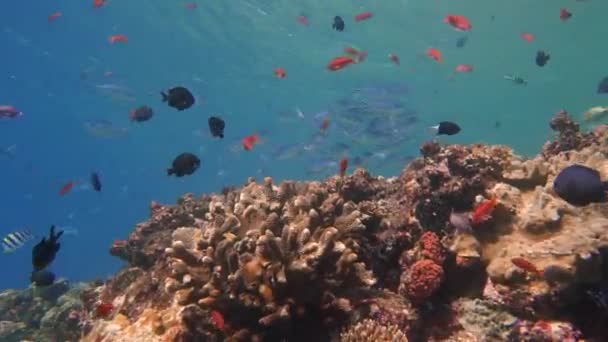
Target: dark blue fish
point(42, 278)
point(462, 41)
point(602, 86)
point(542, 58)
point(45, 251)
point(580, 185)
point(446, 128)
point(338, 24)
point(95, 181)
point(216, 126)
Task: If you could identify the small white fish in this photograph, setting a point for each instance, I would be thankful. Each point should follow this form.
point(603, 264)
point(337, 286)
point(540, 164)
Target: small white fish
point(595, 113)
point(300, 113)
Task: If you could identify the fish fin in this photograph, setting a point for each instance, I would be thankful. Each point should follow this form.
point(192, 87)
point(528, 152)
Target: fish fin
point(605, 185)
point(165, 96)
point(170, 172)
point(222, 136)
point(132, 115)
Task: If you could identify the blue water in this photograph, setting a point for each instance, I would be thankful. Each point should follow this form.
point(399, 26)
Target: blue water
point(225, 53)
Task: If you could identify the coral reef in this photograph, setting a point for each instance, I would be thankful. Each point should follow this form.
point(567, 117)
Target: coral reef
point(468, 243)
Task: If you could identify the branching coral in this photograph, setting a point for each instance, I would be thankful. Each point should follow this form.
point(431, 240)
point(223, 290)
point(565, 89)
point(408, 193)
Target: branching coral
point(370, 330)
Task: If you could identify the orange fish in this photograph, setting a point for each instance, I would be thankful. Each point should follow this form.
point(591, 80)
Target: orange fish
point(434, 54)
point(458, 22)
point(218, 319)
point(249, 141)
point(103, 309)
point(98, 3)
point(564, 14)
point(394, 58)
point(351, 51)
point(66, 188)
point(303, 20)
point(363, 16)
point(483, 211)
point(525, 265)
point(463, 68)
point(324, 125)
point(280, 72)
point(527, 36)
point(118, 38)
point(339, 63)
point(361, 57)
point(343, 166)
point(54, 16)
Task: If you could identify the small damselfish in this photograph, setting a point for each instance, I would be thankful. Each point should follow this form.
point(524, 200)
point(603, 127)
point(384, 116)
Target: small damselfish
point(13, 241)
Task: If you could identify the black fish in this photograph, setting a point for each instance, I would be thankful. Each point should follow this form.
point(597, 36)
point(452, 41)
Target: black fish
point(580, 185)
point(602, 87)
point(42, 278)
point(446, 128)
point(216, 126)
point(95, 181)
point(44, 252)
point(462, 41)
point(143, 113)
point(338, 24)
point(542, 58)
point(179, 98)
point(184, 164)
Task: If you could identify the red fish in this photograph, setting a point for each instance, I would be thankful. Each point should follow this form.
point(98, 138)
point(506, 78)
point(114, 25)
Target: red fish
point(249, 141)
point(434, 54)
point(103, 309)
point(54, 16)
point(482, 211)
point(324, 125)
point(343, 166)
point(363, 16)
point(339, 63)
point(458, 22)
point(218, 319)
point(564, 14)
point(394, 58)
point(527, 36)
point(98, 3)
point(525, 265)
point(303, 20)
point(118, 38)
point(280, 72)
point(66, 188)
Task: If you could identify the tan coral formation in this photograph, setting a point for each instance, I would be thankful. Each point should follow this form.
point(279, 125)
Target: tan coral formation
point(303, 260)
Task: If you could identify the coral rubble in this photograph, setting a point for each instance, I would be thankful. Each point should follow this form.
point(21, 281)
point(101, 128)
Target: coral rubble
point(360, 258)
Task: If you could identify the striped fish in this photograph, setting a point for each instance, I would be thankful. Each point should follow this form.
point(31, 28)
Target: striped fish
point(13, 241)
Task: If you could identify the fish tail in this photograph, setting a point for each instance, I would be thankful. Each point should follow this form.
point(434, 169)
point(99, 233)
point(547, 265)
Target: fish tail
point(433, 130)
point(165, 96)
